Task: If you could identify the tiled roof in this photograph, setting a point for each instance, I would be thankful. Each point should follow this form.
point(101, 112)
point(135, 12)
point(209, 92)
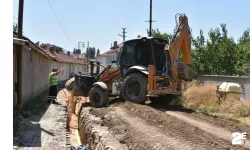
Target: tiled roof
point(105, 54)
point(48, 53)
point(68, 59)
point(61, 57)
point(55, 56)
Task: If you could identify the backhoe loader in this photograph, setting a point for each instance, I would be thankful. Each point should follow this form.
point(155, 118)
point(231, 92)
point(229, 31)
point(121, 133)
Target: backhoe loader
point(147, 68)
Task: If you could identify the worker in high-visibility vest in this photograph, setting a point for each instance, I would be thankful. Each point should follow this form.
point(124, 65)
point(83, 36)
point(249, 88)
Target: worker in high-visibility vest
point(53, 82)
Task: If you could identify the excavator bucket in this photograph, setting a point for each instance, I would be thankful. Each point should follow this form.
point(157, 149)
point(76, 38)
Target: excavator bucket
point(186, 72)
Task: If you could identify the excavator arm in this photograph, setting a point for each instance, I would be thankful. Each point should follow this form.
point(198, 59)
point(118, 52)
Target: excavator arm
point(181, 41)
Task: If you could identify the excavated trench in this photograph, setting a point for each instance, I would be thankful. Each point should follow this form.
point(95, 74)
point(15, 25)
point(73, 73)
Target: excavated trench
point(129, 126)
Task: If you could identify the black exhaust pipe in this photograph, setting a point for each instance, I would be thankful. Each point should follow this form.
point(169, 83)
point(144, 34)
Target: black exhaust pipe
point(91, 68)
point(98, 68)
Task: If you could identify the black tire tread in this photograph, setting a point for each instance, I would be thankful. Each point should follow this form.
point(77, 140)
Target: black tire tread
point(142, 79)
point(103, 94)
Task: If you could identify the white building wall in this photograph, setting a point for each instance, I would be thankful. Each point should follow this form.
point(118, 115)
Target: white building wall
point(68, 69)
point(103, 61)
point(112, 57)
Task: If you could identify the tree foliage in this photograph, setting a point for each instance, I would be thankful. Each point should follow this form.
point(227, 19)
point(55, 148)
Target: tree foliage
point(98, 52)
point(77, 51)
point(219, 54)
point(91, 52)
point(157, 34)
point(58, 49)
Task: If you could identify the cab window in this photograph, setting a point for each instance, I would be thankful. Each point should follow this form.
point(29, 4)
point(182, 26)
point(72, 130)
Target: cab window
point(128, 54)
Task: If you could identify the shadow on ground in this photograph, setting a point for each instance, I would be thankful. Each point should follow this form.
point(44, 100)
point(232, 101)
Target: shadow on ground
point(27, 129)
point(169, 102)
point(170, 107)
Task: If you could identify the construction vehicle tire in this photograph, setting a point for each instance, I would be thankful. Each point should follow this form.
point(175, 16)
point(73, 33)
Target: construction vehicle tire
point(98, 97)
point(135, 88)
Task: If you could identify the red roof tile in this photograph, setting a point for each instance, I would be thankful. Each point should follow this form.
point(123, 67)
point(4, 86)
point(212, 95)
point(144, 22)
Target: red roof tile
point(68, 59)
point(61, 57)
point(56, 56)
point(112, 50)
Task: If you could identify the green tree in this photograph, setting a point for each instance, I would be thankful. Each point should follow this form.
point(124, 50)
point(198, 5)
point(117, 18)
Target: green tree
point(198, 52)
point(219, 54)
point(242, 65)
point(58, 48)
point(77, 51)
point(157, 34)
point(90, 52)
point(216, 55)
point(98, 52)
point(87, 52)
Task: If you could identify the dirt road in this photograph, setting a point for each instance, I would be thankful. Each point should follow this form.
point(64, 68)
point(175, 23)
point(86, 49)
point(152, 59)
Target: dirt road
point(132, 126)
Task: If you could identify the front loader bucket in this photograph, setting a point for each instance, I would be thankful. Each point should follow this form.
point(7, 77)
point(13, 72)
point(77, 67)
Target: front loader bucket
point(83, 84)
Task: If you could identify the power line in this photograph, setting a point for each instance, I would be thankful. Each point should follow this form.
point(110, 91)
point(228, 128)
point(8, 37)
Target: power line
point(59, 22)
point(141, 4)
point(131, 17)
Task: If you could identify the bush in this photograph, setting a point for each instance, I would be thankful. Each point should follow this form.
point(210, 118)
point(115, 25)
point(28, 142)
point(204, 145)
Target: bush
point(203, 98)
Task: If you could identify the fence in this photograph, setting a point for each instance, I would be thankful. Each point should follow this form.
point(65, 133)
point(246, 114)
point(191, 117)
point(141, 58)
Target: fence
point(243, 81)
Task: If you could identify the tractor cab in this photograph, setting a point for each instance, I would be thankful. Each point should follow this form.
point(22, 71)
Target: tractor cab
point(143, 52)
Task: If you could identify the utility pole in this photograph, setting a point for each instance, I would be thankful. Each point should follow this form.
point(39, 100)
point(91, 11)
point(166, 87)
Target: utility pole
point(19, 56)
point(20, 19)
point(87, 52)
point(87, 56)
point(80, 46)
point(150, 19)
point(123, 34)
